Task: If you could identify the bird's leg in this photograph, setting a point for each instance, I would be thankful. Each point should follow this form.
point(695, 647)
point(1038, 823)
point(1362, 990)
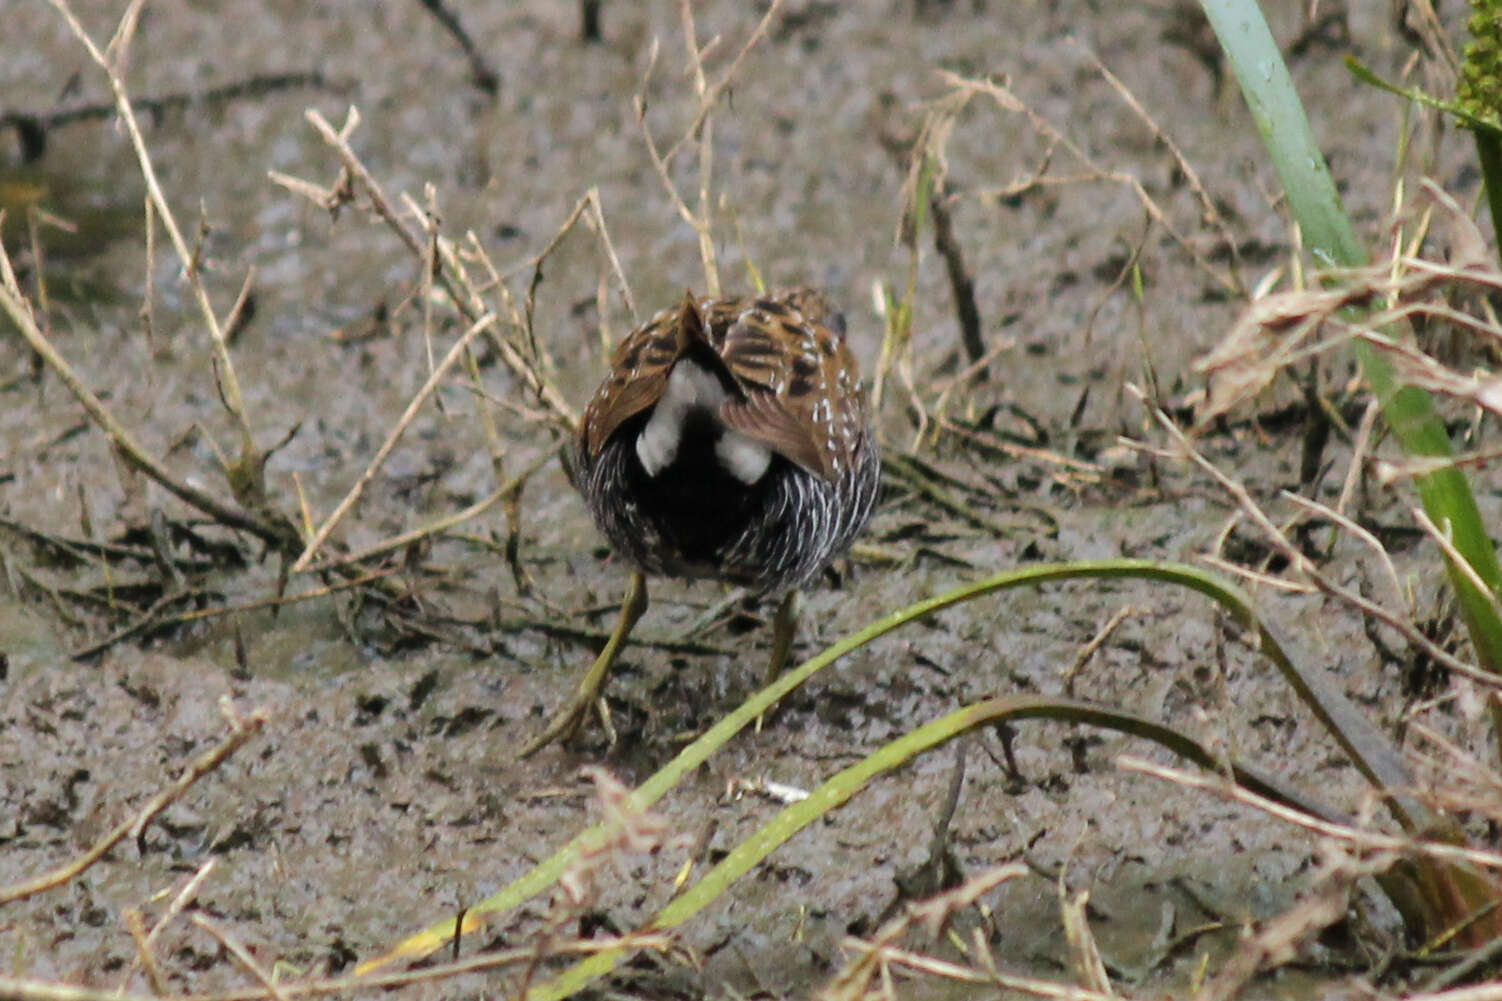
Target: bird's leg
point(784, 631)
point(566, 720)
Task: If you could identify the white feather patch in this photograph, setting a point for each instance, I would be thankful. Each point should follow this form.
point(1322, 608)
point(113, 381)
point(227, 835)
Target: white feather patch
point(690, 387)
point(746, 459)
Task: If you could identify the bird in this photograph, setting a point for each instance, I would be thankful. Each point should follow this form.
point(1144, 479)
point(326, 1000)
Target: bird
point(731, 440)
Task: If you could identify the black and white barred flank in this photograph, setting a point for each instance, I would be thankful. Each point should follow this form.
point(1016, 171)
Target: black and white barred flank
point(696, 519)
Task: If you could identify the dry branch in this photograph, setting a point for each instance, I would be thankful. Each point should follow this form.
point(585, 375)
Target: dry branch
point(266, 526)
point(1009, 101)
point(241, 731)
point(1356, 837)
point(392, 437)
point(1303, 565)
point(234, 403)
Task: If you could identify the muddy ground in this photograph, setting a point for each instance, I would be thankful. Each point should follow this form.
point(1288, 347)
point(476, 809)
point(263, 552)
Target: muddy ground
point(384, 793)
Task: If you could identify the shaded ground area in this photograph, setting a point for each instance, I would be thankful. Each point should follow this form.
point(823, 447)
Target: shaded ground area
point(383, 794)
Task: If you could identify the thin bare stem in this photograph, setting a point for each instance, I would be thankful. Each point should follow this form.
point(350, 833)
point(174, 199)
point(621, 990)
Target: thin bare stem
point(124, 442)
point(185, 896)
point(441, 525)
point(454, 354)
point(1208, 210)
point(234, 403)
point(1447, 545)
point(1306, 567)
point(1007, 100)
point(465, 298)
point(241, 731)
point(1350, 525)
point(242, 955)
point(1357, 837)
point(710, 96)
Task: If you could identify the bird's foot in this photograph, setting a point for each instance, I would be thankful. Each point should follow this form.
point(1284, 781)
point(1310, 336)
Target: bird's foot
point(566, 722)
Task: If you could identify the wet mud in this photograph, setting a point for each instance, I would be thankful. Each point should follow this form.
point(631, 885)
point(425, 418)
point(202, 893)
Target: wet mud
point(383, 793)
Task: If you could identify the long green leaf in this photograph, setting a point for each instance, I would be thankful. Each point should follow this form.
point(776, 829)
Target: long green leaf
point(1369, 749)
point(1327, 232)
point(839, 788)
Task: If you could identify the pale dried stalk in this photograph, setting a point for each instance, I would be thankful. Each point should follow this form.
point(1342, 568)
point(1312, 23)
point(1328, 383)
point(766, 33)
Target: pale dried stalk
point(1208, 211)
point(1084, 953)
point(441, 525)
point(134, 924)
point(392, 437)
point(1280, 329)
point(879, 953)
point(144, 955)
point(705, 224)
point(1350, 525)
point(1277, 941)
point(1358, 838)
point(233, 401)
point(700, 129)
point(709, 97)
point(1446, 543)
point(242, 955)
point(120, 437)
point(465, 298)
point(339, 140)
point(597, 214)
point(891, 956)
point(241, 731)
point(1008, 101)
point(1256, 576)
point(1305, 567)
point(711, 275)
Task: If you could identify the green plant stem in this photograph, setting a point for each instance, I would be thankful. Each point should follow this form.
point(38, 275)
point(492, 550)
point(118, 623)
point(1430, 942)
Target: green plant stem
point(1370, 751)
point(1285, 130)
point(1489, 154)
point(838, 790)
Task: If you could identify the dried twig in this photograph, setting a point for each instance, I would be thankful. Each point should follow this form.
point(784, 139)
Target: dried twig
point(242, 955)
point(465, 297)
point(144, 954)
point(274, 532)
point(869, 973)
point(392, 437)
point(1305, 566)
point(1009, 101)
point(234, 403)
point(241, 731)
point(441, 525)
point(1209, 213)
point(1358, 838)
point(701, 129)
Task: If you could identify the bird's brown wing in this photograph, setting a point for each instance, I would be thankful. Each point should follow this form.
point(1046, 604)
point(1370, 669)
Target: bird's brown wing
point(639, 371)
point(802, 396)
point(800, 393)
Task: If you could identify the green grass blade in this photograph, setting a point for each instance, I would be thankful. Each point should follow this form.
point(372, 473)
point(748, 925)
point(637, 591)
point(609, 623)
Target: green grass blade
point(838, 790)
point(1327, 232)
point(1368, 748)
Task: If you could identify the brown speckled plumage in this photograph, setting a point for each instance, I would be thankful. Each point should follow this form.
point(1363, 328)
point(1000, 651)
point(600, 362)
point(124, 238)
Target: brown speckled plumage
point(780, 379)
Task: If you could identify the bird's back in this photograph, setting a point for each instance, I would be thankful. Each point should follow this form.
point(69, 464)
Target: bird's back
point(731, 439)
